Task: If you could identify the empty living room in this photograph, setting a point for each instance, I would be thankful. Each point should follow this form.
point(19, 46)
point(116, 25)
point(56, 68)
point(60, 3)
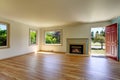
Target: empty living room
point(59, 40)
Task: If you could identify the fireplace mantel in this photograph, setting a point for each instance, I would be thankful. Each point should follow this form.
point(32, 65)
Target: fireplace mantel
point(78, 41)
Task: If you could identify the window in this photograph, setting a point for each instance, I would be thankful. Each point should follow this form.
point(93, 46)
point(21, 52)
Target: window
point(53, 37)
point(4, 35)
point(33, 37)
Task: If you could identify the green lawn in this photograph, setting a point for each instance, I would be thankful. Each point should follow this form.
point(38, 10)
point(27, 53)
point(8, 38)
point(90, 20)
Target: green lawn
point(96, 44)
point(97, 51)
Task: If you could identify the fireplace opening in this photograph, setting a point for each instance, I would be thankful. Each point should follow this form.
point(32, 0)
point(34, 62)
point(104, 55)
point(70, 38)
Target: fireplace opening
point(76, 49)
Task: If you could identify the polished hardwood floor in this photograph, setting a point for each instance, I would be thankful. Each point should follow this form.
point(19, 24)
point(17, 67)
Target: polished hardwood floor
point(52, 66)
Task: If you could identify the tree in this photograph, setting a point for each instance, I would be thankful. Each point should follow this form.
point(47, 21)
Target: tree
point(52, 37)
point(102, 33)
point(92, 35)
point(100, 37)
point(3, 37)
point(33, 37)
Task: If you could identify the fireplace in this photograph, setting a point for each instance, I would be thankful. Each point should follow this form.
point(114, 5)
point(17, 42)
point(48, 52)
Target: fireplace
point(76, 49)
point(78, 46)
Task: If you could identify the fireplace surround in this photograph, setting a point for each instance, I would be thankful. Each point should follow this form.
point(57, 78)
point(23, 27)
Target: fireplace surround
point(81, 42)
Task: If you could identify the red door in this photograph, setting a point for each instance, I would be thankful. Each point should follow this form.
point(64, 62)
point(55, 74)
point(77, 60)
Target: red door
point(111, 41)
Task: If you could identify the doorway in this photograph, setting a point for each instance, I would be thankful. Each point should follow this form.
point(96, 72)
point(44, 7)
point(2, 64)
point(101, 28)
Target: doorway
point(98, 41)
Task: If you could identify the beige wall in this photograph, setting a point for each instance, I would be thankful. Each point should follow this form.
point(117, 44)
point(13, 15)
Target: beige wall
point(70, 31)
point(19, 40)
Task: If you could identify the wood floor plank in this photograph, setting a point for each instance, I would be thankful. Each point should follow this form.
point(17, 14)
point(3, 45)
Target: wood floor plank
point(58, 67)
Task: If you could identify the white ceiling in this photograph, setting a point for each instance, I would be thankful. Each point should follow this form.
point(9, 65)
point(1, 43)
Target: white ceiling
point(45, 13)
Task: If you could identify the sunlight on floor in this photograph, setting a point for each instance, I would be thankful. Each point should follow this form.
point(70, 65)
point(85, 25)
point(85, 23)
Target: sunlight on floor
point(98, 54)
point(42, 52)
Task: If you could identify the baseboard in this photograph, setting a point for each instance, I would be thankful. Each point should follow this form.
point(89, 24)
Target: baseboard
point(16, 56)
point(86, 55)
point(65, 53)
point(52, 51)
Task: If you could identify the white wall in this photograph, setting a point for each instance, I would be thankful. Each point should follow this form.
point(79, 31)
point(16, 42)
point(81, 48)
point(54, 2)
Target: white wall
point(19, 40)
point(70, 31)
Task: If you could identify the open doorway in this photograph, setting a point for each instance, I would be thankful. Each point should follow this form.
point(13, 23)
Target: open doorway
point(98, 41)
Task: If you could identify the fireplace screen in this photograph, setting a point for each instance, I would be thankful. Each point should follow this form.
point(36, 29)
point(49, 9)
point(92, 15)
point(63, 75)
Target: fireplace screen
point(76, 49)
